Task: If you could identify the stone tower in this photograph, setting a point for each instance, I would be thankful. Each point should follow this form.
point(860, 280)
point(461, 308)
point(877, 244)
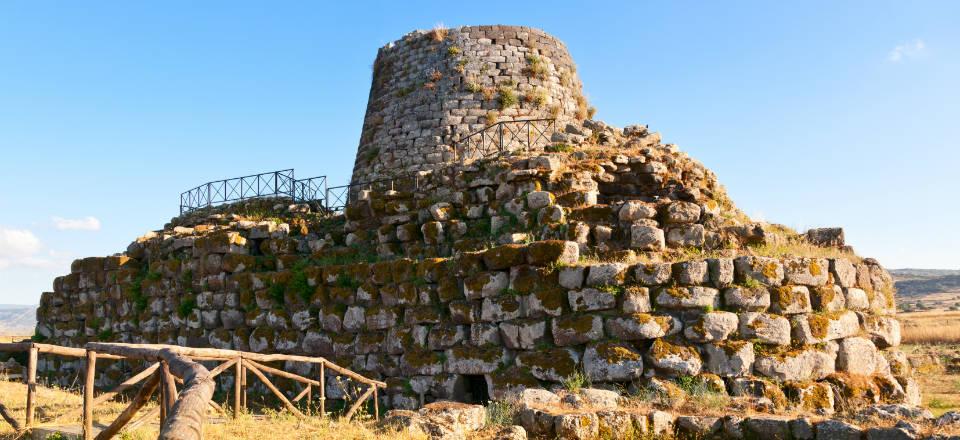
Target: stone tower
point(431, 88)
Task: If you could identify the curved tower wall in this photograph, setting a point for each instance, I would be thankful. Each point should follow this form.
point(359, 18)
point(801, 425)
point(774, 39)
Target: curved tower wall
point(429, 90)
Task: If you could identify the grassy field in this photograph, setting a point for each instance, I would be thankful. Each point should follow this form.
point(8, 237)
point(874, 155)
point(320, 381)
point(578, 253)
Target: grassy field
point(935, 327)
point(54, 402)
point(940, 385)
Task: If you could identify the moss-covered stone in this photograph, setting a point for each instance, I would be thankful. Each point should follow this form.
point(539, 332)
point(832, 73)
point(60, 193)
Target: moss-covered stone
point(505, 256)
point(553, 364)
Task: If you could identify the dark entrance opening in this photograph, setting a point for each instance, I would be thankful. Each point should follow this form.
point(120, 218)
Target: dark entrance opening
point(476, 389)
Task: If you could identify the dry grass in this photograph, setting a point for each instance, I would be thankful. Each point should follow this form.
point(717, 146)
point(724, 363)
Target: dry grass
point(51, 404)
point(439, 33)
point(930, 327)
point(272, 425)
point(794, 248)
point(940, 388)
point(8, 339)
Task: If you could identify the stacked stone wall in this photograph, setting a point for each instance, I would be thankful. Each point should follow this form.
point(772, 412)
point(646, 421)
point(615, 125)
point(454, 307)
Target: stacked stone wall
point(479, 273)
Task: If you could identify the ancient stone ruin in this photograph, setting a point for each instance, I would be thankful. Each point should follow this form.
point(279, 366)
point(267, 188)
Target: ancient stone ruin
point(602, 257)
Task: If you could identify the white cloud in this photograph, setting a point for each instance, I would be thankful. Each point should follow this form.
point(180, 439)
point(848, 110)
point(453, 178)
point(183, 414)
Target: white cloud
point(19, 247)
point(77, 224)
point(907, 50)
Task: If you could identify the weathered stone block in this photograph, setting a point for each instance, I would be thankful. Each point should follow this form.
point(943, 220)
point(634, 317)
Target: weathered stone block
point(653, 274)
point(712, 326)
point(768, 271)
point(552, 364)
point(695, 297)
point(606, 274)
point(796, 365)
point(523, 334)
point(766, 328)
point(638, 326)
point(790, 300)
point(474, 360)
point(692, 272)
point(756, 299)
point(590, 299)
point(674, 360)
point(729, 358)
point(612, 362)
point(577, 329)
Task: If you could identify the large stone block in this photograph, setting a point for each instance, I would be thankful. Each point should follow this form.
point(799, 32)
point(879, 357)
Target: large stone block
point(612, 362)
point(577, 329)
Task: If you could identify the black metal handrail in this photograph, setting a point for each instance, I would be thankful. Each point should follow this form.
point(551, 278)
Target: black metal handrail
point(504, 136)
point(273, 184)
point(491, 141)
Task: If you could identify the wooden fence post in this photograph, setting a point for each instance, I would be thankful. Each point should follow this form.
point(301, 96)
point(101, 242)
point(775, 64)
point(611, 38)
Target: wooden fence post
point(323, 392)
point(88, 395)
point(169, 385)
point(236, 387)
point(31, 384)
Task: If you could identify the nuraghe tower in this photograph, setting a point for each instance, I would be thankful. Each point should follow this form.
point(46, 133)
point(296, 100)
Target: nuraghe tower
point(603, 252)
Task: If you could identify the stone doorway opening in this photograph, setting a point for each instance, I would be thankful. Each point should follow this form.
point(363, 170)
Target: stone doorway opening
point(476, 389)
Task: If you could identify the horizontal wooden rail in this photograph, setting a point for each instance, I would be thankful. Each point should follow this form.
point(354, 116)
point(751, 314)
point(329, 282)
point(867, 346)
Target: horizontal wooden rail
point(149, 352)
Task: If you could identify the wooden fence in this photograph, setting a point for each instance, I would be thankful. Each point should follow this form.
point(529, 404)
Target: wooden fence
point(182, 412)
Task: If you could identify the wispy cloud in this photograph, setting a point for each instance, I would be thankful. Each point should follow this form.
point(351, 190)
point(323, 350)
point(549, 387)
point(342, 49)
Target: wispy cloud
point(19, 247)
point(907, 50)
point(77, 224)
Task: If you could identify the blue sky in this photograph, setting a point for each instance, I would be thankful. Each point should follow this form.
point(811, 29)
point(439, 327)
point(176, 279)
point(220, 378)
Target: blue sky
point(812, 113)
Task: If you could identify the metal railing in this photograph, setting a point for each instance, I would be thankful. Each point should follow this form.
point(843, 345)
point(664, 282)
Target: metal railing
point(310, 189)
point(505, 136)
point(492, 141)
point(273, 184)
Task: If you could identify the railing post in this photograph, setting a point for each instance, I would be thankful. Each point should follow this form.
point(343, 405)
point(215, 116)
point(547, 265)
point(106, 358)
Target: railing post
point(88, 395)
point(236, 387)
point(500, 150)
point(529, 136)
point(31, 379)
point(323, 392)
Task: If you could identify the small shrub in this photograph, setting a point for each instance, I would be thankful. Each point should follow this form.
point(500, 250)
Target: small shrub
point(612, 289)
point(574, 382)
point(536, 97)
point(276, 291)
point(344, 280)
point(454, 51)
point(429, 86)
point(751, 283)
point(439, 33)
point(492, 117)
point(506, 97)
point(536, 67)
point(462, 65)
point(488, 93)
point(436, 75)
point(591, 112)
point(473, 86)
point(558, 148)
point(186, 307)
point(501, 413)
point(582, 110)
point(554, 111)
